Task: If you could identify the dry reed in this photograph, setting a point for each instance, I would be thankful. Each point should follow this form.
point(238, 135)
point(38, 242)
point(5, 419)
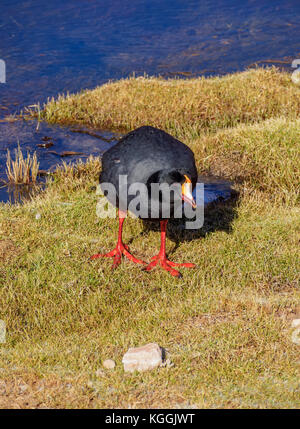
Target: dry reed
point(21, 170)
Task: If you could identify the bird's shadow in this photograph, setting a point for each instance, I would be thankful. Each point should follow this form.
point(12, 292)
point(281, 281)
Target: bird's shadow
point(218, 216)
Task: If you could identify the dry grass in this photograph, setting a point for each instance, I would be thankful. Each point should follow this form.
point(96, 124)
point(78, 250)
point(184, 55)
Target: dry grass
point(182, 107)
point(226, 325)
point(71, 176)
point(263, 156)
point(21, 170)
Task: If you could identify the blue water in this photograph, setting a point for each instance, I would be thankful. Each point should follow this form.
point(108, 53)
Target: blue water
point(52, 47)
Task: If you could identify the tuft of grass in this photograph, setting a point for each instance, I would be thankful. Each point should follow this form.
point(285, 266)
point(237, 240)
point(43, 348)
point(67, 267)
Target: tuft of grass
point(21, 170)
point(183, 107)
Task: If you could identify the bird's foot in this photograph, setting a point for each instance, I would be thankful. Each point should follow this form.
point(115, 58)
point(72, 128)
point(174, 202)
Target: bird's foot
point(167, 265)
point(121, 249)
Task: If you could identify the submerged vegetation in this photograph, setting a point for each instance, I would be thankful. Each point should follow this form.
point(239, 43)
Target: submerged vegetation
point(226, 325)
point(21, 170)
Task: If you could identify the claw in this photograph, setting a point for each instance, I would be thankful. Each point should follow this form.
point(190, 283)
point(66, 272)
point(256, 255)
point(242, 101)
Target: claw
point(166, 265)
point(161, 258)
point(121, 249)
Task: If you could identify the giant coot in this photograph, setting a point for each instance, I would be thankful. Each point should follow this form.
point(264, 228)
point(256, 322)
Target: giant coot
point(149, 156)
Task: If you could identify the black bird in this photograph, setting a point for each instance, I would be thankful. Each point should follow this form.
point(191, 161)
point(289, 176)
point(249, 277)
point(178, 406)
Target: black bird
point(148, 156)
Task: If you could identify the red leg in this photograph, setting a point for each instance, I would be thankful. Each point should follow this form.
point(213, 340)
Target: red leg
point(120, 249)
point(161, 258)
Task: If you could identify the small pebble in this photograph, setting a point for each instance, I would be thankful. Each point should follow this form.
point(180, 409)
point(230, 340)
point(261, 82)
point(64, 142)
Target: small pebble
point(109, 364)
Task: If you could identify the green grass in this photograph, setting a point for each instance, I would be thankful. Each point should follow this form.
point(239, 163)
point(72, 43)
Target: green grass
point(226, 325)
point(263, 156)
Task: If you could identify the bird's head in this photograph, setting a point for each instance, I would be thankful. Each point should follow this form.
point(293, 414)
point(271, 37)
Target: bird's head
point(171, 177)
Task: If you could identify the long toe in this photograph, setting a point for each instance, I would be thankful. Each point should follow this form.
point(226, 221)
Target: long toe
point(96, 256)
point(167, 266)
point(150, 266)
point(117, 255)
point(103, 255)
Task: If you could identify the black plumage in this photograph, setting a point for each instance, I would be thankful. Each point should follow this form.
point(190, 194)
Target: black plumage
point(147, 155)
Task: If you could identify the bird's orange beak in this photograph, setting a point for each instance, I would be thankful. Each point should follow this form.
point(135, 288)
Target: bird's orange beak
point(187, 192)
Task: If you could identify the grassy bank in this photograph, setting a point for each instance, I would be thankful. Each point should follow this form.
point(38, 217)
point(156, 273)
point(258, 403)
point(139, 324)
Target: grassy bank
point(226, 324)
point(182, 107)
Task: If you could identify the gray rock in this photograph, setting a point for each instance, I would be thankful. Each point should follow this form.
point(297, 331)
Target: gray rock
point(142, 358)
